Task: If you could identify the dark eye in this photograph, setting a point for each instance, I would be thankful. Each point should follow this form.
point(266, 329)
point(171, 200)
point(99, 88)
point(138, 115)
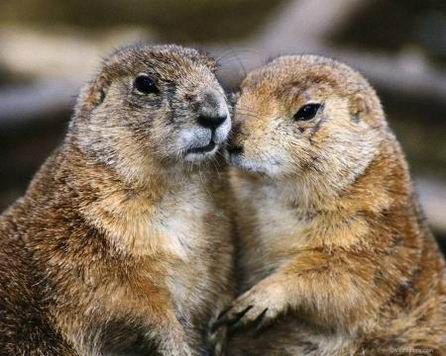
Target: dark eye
point(307, 112)
point(145, 85)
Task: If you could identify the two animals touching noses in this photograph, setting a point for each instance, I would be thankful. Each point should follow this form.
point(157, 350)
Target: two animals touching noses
point(171, 222)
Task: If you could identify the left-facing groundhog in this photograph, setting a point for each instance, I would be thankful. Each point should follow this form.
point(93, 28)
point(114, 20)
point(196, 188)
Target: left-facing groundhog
point(121, 245)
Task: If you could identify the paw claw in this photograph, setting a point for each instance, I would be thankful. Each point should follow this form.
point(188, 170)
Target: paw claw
point(238, 316)
point(223, 312)
point(230, 321)
point(259, 323)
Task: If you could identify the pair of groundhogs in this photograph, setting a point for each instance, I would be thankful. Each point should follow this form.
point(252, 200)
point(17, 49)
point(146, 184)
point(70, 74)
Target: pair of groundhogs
point(124, 243)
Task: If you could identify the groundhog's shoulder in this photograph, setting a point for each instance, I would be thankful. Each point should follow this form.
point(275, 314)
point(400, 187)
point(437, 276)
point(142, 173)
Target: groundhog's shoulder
point(24, 327)
point(33, 236)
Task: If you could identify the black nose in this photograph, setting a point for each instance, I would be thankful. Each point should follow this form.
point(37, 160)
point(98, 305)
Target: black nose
point(211, 121)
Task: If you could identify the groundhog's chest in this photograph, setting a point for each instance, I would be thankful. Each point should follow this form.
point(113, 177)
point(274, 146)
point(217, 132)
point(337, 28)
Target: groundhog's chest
point(180, 266)
point(190, 228)
point(270, 232)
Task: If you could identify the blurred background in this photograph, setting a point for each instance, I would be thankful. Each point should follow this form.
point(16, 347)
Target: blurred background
point(48, 48)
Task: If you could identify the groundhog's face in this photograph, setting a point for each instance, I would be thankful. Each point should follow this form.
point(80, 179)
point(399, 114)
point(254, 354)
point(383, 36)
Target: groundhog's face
point(304, 114)
point(163, 102)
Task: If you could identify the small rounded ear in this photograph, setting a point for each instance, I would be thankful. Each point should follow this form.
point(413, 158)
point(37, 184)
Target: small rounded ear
point(96, 92)
point(358, 107)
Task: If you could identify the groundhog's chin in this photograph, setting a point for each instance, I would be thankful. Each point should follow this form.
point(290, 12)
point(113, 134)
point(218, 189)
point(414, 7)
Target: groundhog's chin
point(253, 165)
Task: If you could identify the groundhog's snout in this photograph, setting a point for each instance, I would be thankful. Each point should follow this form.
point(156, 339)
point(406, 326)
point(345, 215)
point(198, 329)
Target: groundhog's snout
point(213, 110)
point(211, 128)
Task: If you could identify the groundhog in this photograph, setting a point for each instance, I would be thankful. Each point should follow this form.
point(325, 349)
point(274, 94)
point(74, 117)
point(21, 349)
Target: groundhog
point(122, 243)
point(335, 256)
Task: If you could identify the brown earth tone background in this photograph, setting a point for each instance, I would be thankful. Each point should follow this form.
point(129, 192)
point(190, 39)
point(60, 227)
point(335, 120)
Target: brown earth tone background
point(48, 48)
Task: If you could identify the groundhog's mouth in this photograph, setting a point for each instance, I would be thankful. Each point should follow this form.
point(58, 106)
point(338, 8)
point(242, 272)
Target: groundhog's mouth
point(203, 149)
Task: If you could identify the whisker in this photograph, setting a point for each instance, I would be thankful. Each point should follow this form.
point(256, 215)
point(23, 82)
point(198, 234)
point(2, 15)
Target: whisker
point(228, 53)
point(214, 162)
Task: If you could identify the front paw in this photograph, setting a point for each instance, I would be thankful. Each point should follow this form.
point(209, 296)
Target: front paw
point(258, 307)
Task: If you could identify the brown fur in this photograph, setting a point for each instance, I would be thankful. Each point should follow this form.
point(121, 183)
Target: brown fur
point(121, 245)
point(335, 255)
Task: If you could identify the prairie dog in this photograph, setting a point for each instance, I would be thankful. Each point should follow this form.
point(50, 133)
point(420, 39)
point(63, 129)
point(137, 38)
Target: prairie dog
point(121, 244)
point(335, 255)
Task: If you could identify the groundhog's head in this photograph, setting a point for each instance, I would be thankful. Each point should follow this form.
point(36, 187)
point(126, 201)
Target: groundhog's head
point(153, 103)
point(305, 116)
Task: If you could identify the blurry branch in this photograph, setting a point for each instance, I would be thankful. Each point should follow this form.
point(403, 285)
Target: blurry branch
point(59, 64)
point(408, 76)
point(304, 22)
point(41, 98)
